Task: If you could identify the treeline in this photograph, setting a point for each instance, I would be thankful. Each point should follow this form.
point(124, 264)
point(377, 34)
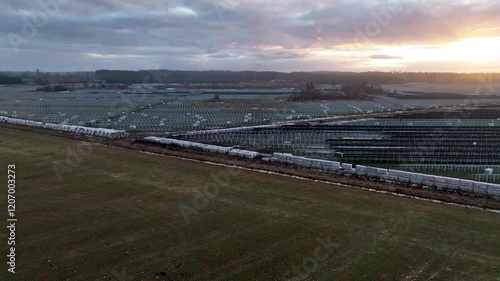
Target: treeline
point(323, 77)
point(57, 88)
point(209, 77)
point(231, 77)
point(7, 80)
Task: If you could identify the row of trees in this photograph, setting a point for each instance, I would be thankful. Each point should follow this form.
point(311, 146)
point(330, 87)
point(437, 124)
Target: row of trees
point(7, 80)
point(322, 77)
point(57, 88)
point(347, 79)
point(310, 92)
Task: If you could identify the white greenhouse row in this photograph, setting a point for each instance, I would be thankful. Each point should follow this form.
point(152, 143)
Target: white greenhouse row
point(290, 159)
point(414, 179)
point(99, 132)
point(205, 147)
point(387, 175)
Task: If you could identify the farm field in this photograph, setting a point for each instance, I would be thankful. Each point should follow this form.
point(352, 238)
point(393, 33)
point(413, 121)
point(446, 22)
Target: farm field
point(172, 111)
point(115, 214)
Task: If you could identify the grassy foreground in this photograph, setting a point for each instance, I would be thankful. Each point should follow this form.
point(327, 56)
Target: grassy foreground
point(99, 213)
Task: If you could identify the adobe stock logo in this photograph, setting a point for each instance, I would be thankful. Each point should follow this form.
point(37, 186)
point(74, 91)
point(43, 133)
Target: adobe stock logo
point(325, 250)
point(47, 9)
point(381, 19)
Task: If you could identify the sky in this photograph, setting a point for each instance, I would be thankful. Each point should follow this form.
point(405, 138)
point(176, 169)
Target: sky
point(279, 35)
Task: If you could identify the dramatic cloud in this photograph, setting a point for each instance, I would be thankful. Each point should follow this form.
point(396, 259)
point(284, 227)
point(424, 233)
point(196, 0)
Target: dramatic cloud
point(64, 35)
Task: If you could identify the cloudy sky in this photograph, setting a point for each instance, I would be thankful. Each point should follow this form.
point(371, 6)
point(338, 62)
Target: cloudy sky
point(282, 35)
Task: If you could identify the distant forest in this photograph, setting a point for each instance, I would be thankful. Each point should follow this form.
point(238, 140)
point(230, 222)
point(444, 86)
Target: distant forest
point(7, 80)
point(324, 77)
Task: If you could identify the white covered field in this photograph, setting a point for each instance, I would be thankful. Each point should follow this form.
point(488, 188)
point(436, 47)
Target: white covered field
point(167, 112)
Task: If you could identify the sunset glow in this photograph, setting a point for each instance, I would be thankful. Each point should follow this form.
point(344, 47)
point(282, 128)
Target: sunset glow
point(284, 35)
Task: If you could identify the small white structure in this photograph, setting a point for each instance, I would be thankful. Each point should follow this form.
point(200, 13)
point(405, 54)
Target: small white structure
point(108, 133)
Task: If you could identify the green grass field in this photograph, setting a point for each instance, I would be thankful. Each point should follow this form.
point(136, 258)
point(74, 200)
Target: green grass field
point(116, 215)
